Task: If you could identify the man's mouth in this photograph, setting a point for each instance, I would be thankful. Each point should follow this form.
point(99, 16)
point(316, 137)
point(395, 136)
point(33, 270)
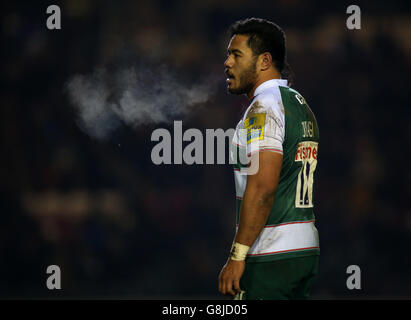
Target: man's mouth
point(230, 77)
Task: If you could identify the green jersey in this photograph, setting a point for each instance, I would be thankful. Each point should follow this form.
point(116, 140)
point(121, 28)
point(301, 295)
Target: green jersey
point(279, 120)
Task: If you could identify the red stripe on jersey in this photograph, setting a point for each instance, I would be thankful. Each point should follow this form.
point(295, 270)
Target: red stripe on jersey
point(262, 254)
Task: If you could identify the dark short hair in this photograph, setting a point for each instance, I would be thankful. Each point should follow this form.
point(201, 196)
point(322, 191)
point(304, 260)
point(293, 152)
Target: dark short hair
point(265, 36)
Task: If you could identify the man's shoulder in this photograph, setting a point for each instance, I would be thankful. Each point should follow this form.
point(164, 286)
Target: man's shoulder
point(292, 94)
point(268, 101)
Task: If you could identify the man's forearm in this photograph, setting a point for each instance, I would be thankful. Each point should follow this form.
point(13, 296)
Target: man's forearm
point(255, 209)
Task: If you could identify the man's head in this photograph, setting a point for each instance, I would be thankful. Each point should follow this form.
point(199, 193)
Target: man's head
point(256, 53)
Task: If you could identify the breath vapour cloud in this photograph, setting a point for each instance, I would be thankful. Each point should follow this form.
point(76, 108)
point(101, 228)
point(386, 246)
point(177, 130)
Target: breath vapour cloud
point(133, 96)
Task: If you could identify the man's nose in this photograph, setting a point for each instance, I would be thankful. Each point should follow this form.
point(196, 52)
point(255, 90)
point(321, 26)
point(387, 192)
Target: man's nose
point(228, 63)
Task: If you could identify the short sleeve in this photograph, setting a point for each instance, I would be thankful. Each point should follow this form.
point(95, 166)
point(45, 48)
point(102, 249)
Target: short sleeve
point(265, 125)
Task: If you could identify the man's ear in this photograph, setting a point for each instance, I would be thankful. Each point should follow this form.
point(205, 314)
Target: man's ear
point(266, 61)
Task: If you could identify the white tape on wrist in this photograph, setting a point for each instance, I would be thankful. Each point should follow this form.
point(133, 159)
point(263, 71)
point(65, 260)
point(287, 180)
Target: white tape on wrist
point(239, 251)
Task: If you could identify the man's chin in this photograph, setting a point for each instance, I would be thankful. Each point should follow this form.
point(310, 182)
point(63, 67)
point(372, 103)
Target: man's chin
point(234, 90)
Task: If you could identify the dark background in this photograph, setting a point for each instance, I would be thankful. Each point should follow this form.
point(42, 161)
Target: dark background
point(121, 227)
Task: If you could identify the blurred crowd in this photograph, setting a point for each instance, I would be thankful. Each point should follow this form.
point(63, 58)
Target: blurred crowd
point(119, 225)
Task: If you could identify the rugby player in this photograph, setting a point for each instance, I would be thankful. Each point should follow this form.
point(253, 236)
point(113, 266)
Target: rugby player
point(275, 251)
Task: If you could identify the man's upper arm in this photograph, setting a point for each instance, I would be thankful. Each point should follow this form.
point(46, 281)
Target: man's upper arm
point(268, 174)
point(265, 125)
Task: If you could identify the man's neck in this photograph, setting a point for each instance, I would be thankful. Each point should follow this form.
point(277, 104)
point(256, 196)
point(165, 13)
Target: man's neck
point(260, 80)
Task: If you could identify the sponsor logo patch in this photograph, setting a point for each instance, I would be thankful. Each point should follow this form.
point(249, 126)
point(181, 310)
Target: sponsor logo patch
point(255, 127)
point(306, 150)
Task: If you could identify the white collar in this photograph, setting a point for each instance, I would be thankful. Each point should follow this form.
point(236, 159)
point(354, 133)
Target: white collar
point(268, 84)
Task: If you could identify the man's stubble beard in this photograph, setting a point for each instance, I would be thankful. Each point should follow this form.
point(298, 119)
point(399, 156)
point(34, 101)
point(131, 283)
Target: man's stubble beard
point(247, 80)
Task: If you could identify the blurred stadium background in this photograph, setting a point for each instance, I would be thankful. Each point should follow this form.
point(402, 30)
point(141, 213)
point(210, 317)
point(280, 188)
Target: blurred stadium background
point(121, 227)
